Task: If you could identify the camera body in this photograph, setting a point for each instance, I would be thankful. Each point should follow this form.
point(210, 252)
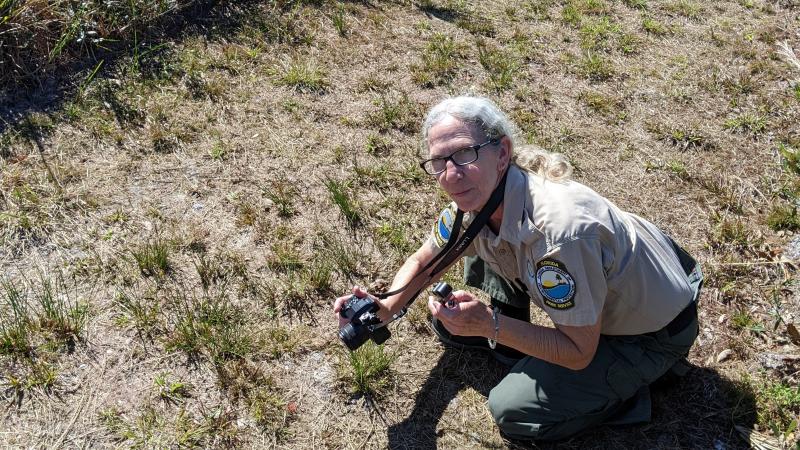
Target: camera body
point(363, 323)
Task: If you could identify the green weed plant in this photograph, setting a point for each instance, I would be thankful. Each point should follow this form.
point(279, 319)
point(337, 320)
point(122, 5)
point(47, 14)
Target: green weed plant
point(368, 369)
point(342, 197)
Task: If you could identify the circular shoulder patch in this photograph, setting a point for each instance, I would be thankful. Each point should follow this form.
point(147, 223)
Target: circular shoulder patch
point(443, 227)
point(555, 284)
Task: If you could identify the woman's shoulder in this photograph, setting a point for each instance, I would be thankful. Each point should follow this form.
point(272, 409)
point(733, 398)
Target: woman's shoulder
point(569, 210)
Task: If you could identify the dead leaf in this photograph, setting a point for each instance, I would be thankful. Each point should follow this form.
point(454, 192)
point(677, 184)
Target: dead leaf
point(794, 335)
point(758, 440)
point(723, 355)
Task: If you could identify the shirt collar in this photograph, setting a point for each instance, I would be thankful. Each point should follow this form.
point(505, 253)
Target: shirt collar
point(515, 203)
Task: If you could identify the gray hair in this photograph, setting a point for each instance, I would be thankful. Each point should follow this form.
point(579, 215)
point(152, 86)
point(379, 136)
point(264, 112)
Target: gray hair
point(495, 124)
point(477, 110)
point(550, 166)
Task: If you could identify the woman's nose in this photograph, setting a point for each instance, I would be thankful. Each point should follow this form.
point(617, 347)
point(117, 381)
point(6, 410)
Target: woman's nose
point(452, 171)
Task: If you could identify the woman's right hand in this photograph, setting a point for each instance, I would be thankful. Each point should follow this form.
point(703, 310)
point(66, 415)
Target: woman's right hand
point(339, 303)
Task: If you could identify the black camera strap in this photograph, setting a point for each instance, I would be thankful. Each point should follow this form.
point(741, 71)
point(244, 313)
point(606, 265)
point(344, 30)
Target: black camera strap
point(455, 246)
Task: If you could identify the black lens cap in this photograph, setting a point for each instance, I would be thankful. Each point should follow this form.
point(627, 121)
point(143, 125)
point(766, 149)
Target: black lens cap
point(442, 289)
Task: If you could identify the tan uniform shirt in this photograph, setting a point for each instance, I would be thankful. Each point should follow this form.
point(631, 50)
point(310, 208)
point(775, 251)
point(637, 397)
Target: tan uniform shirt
point(579, 257)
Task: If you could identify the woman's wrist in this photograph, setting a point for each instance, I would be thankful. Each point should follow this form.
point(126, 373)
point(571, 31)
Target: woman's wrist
point(489, 327)
point(496, 323)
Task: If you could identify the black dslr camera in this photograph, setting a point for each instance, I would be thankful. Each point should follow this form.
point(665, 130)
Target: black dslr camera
point(364, 323)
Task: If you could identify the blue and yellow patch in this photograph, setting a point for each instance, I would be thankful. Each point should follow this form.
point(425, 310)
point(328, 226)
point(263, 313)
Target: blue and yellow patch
point(555, 284)
point(444, 226)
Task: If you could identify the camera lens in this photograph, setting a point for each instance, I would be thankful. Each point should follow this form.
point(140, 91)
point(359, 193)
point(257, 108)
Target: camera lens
point(353, 336)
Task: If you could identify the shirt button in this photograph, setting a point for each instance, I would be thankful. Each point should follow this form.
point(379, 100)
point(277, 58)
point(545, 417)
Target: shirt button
point(502, 251)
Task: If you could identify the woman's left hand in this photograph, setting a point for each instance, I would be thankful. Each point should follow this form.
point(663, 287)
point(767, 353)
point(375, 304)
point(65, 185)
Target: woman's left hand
point(468, 317)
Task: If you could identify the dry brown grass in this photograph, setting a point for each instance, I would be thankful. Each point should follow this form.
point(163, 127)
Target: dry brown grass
point(221, 147)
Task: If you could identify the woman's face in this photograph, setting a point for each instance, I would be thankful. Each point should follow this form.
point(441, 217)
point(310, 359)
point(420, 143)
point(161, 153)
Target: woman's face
point(470, 185)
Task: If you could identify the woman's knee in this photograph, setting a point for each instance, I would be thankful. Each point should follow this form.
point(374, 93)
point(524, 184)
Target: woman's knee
point(545, 408)
point(531, 420)
point(516, 414)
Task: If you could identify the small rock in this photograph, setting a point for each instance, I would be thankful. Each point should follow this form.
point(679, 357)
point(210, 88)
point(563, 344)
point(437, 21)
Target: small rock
point(771, 360)
point(725, 354)
point(792, 249)
point(722, 318)
point(197, 206)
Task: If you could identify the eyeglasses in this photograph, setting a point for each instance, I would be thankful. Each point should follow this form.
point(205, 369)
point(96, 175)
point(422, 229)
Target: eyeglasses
point(462, 157)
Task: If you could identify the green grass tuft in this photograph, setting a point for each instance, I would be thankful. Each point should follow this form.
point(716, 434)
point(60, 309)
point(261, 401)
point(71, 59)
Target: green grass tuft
point(302, 74)
point(46, 311)
point(747, 123)
point(686, 139)
point(170, 390)
point(596, 34)
point(61, 314)
point(654, 27)
point(440, 61)
point(141, 311)
point(500, 64)
point(476, 25)
point(285, 257)
point(595, 67)
point(152, 258)
point(378, 145)
point(600, 103)
point(790, 158)
point(283, 195)
point(16, 319)
point(344, 199)
point(571, 16)
point(396, 112)
point(339, 21)
point(742, 320)
point(637, 4)
point(395, 236)
point(207, 324)
point(731, 232)
point(368, 369)
point(685, 8)
point(783, 217)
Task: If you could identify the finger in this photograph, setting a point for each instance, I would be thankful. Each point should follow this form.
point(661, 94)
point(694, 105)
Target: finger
point(339, 303)
point(462, 296)
point(434, 306)
point(360, 292)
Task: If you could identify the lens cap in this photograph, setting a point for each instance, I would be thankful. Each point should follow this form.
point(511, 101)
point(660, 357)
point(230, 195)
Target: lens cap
point(442, 289)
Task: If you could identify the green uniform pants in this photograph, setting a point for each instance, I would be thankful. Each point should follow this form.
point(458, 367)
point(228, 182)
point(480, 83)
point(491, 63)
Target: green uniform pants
point(543, 401)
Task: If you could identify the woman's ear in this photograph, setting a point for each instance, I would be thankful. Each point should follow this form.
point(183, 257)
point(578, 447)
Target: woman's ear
point(506, 148)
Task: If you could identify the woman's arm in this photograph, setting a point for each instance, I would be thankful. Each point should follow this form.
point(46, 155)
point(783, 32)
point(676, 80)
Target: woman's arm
point(405, 274)
point(567, 346)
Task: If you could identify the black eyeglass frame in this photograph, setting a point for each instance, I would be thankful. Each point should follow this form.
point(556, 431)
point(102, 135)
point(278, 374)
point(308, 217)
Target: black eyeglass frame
point(474, 148)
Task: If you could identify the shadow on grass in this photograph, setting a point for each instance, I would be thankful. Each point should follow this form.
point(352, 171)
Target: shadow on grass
point(697, 411)
point(455, 371)
point(47, 90)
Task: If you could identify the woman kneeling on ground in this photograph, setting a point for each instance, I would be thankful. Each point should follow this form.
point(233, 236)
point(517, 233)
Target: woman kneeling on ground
point(621, 294)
